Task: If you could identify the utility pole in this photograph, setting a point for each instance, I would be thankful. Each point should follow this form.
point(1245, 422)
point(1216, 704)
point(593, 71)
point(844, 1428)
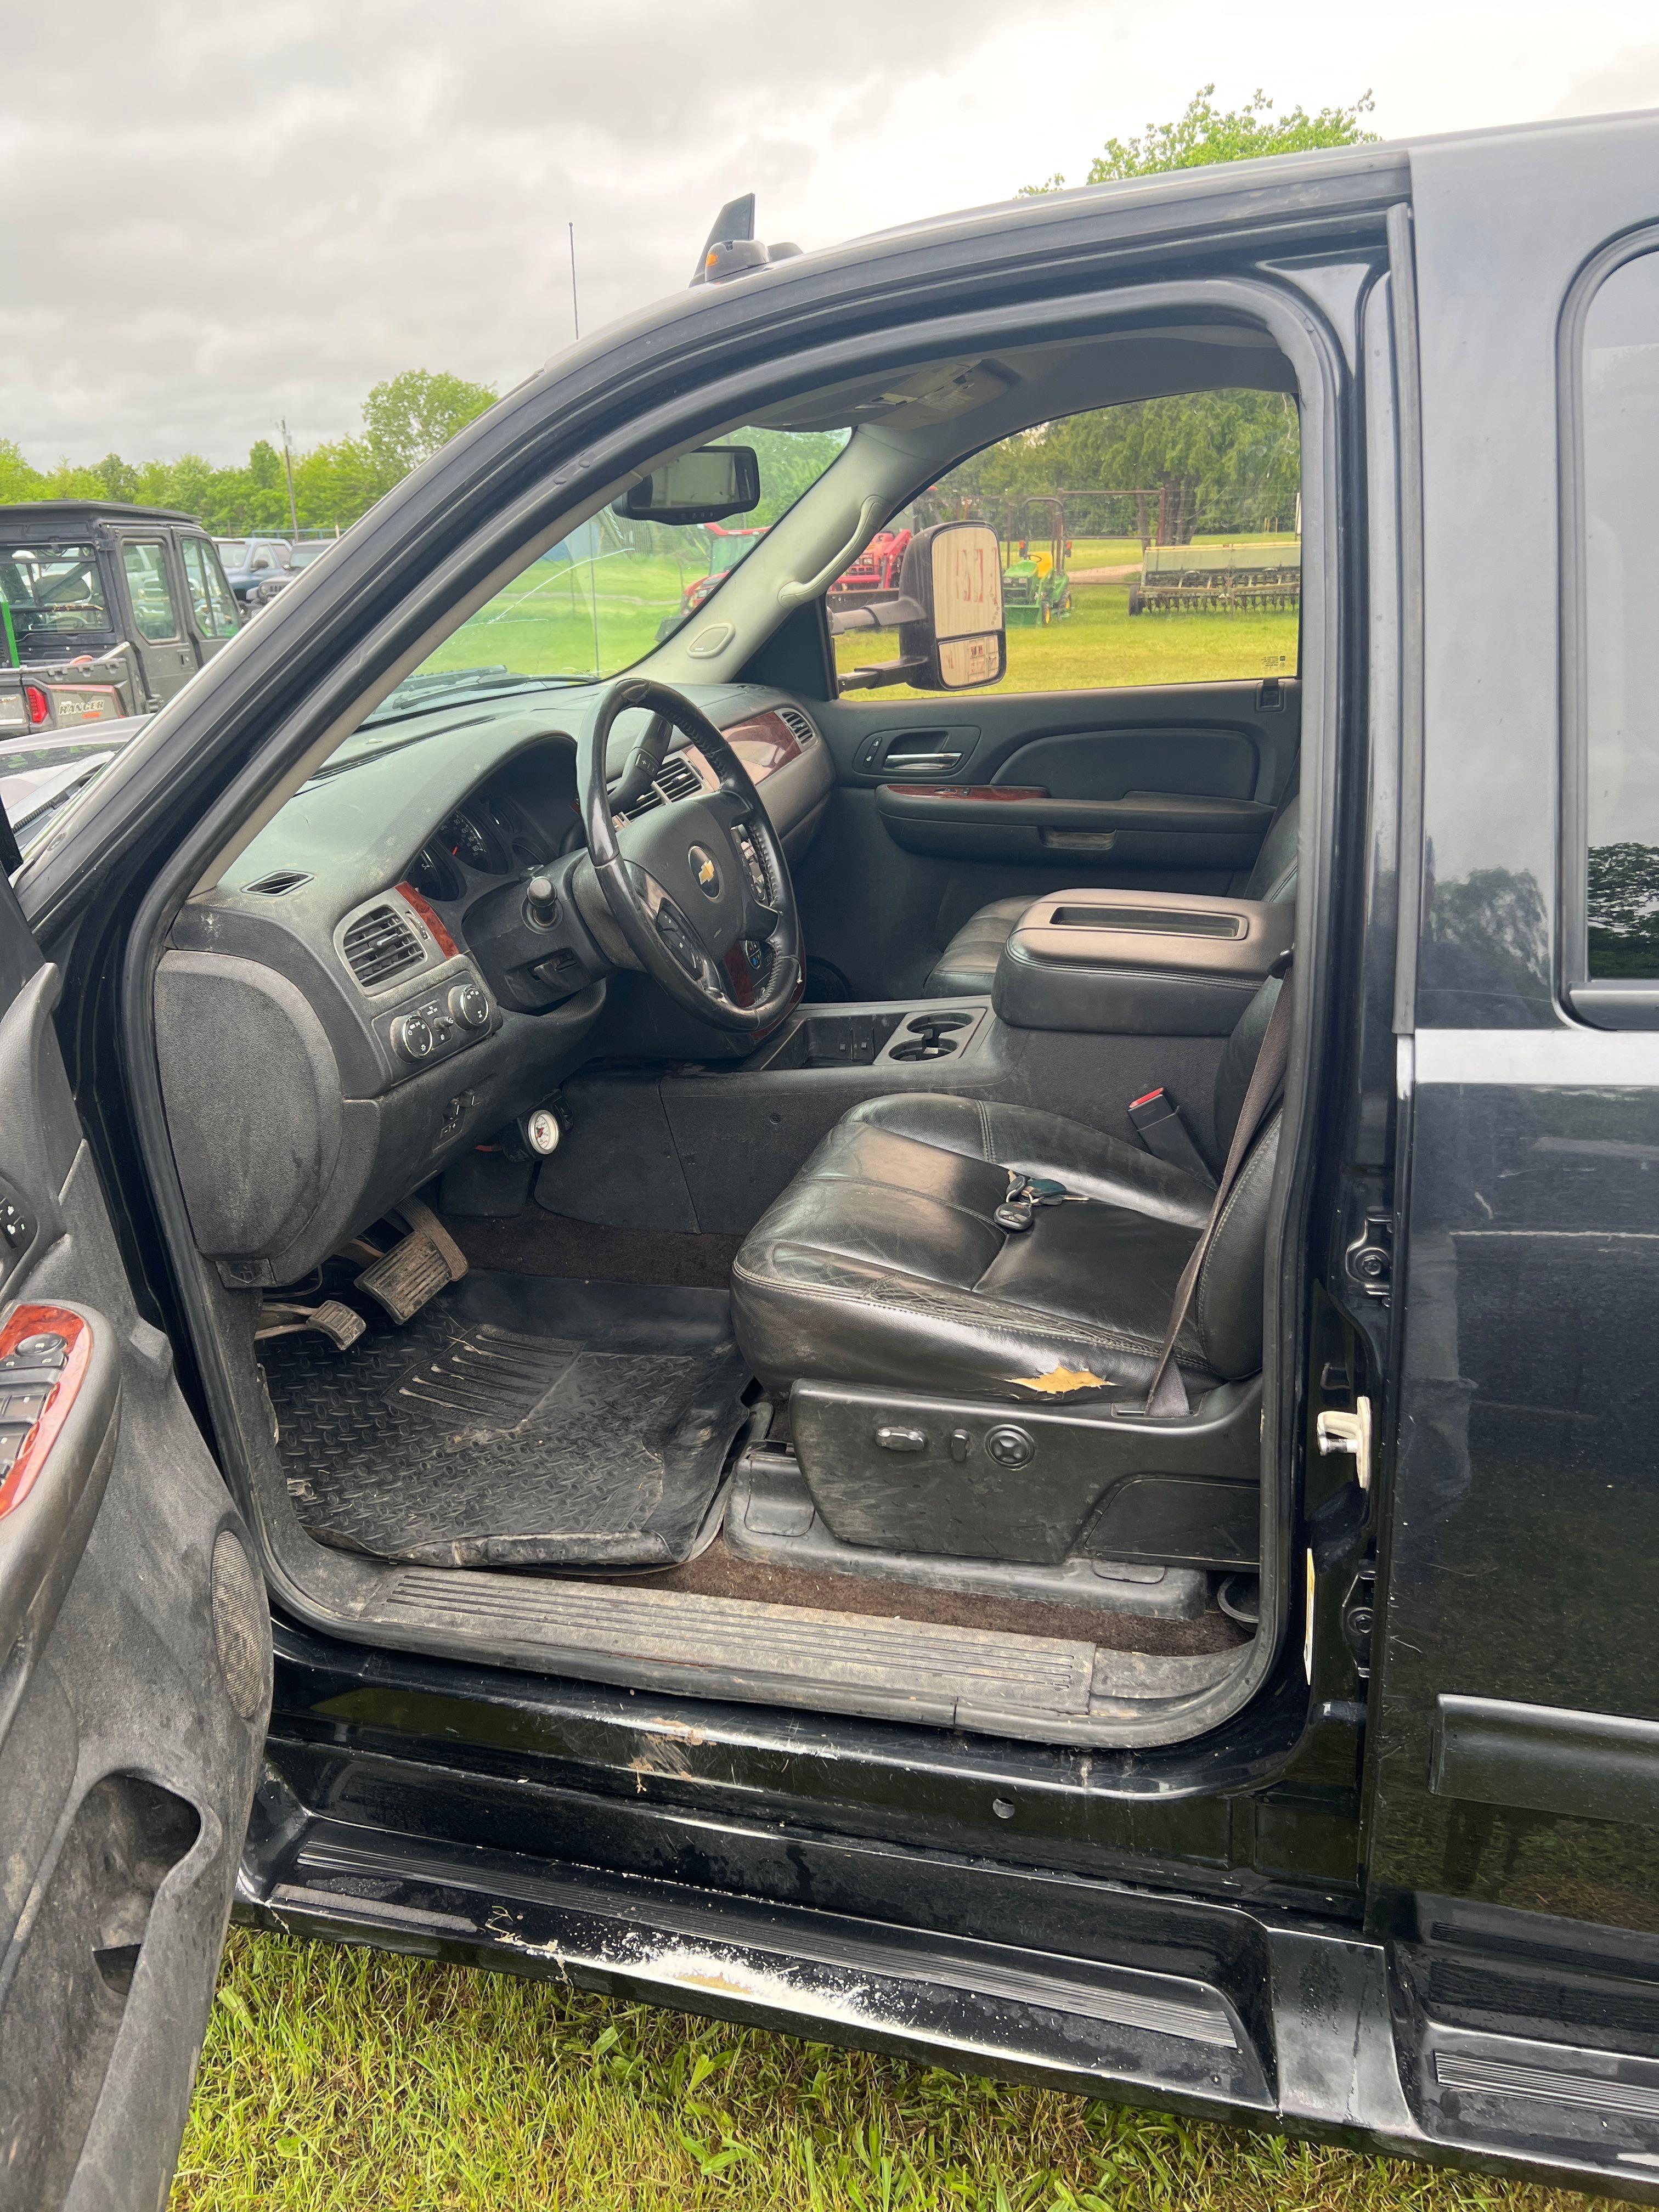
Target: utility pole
point(288, 464)
point(575, 316)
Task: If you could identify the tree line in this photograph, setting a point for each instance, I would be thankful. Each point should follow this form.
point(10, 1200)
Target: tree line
point(405, 419)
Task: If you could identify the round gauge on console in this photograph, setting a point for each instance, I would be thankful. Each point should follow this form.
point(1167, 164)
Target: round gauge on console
point(433, 873)
point(473, 839)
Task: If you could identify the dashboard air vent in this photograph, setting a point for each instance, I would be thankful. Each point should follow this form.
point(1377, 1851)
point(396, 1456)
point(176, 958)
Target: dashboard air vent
point(284, 880)
point(378, 945)
point(677, 779)
point(798, 726)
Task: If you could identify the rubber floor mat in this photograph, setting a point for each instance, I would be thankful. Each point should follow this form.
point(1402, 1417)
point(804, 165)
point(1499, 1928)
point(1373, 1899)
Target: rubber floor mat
point(516, 1421)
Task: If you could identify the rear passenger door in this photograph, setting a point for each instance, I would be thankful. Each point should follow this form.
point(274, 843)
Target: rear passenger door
point(157, 611)
point(1513, 1739)
point(213, 611)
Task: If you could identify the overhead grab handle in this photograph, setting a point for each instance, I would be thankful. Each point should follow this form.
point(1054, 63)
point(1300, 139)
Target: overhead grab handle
point(793, 595)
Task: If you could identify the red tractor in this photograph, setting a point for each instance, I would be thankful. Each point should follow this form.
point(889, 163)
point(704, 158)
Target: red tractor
point(875, 573)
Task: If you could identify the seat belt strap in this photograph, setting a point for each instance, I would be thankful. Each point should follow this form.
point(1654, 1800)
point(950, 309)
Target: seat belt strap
point(1166, 1395)
point(1159, 1124)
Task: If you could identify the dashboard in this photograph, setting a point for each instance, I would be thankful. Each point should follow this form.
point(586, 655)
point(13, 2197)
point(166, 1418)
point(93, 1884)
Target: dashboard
point(398, 964)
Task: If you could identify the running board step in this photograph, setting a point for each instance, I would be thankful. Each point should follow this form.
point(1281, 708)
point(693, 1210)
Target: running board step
point(862, 1982)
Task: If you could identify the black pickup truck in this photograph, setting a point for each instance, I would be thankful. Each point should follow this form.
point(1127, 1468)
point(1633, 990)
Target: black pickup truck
point(951, 1360)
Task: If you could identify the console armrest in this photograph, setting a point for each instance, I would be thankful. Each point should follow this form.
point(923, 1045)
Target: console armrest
point(1138, 964)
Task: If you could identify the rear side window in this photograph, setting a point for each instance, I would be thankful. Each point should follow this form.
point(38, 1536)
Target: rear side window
point(1620, 402)
point(211, 597)
point(153, 608)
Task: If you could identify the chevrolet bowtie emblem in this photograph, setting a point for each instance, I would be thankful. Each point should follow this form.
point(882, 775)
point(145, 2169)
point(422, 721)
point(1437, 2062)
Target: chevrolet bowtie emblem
point(706, 873)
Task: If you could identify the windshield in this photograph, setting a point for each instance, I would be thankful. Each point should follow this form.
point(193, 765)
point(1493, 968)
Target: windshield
point(48, 593)
point(615, 588)
point(233, 551)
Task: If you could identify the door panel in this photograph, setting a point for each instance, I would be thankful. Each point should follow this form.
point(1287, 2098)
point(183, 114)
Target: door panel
point(895, 872)
point(135, 1679)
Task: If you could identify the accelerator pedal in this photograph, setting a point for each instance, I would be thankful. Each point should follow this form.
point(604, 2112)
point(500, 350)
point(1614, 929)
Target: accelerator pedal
point(414, 1271)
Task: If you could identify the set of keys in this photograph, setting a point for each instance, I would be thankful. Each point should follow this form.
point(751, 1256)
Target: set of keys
point(1025, 1194)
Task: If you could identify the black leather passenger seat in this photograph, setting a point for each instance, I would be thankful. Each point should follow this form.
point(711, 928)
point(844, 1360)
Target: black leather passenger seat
point(968, 964)
point(883, 1261)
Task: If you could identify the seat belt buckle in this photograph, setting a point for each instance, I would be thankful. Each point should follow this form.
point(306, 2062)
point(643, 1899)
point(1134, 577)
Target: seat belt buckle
point(1159, 1124)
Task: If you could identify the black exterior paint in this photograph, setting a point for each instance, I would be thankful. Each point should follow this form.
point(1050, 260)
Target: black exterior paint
point(1395, 1965)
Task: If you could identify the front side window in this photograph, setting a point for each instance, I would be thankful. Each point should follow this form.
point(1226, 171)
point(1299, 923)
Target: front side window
point(1619, 385)
point(153, 608)
point(211, 599)
point(616, 588)
point(1155, 542)
point(50, 597)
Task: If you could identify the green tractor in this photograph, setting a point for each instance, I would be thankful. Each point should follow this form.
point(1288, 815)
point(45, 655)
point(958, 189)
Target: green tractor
point(1035, 589)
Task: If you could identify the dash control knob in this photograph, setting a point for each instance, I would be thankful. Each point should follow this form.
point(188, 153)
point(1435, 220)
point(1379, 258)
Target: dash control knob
point(413, 1036)
point(469, 1004)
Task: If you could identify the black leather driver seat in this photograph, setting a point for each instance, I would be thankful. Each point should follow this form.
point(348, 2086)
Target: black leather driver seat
point(968, 964)
point(883, 1263)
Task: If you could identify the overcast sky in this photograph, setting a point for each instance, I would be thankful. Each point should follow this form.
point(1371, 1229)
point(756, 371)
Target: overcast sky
point(218, 216)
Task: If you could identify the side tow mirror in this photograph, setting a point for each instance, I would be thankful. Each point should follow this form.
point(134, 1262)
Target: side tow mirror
point(948, 614)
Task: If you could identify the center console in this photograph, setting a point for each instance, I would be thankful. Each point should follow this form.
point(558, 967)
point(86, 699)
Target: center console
point(869, 1037)
point(1138, 964)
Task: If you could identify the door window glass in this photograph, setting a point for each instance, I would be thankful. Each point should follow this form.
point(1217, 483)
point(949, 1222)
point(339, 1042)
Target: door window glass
point(1156, 541)
point(1620, 389)
point(211, 599)
point(153, 608)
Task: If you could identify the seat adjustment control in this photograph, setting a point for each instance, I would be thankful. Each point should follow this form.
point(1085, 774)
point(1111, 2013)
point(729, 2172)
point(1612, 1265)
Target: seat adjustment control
point(901, 1440)
point(1011, 1447)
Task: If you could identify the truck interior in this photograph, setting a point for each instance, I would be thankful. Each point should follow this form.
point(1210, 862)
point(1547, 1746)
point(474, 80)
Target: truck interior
point(764, 1305)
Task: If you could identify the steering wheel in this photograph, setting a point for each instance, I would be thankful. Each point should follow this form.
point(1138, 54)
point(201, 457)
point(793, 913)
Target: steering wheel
point(698, 889)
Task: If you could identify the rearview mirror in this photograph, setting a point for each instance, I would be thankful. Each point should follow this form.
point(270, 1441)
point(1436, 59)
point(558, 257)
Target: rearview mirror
point(705, 486)
point(948, 614)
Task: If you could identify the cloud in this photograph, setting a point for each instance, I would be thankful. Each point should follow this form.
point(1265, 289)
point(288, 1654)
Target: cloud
point(264, 210)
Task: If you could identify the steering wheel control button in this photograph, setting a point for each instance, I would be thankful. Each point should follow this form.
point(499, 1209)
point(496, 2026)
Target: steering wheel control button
point(1011, 1447)
point(413, 1036)
point(541, 1131)
point(469, 1003)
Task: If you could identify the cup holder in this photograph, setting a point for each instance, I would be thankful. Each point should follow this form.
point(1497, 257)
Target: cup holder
point(937, 1023)
point(930, 1045)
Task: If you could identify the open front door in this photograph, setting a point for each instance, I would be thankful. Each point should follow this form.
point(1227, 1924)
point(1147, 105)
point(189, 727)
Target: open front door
point(134, 1668)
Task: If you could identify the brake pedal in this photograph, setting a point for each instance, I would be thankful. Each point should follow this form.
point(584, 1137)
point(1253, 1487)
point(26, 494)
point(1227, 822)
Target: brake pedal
point(411, 1274)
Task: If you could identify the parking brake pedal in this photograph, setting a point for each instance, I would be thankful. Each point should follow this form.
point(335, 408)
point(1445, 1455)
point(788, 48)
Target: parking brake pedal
point(413, 1272)
point(332, 1319)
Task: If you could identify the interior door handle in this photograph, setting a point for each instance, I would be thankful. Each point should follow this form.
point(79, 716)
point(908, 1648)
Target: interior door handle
point(921, 763)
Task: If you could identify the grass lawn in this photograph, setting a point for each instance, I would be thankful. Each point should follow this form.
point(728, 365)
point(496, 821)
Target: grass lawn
point(1100, 643)
point(337, 2077)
